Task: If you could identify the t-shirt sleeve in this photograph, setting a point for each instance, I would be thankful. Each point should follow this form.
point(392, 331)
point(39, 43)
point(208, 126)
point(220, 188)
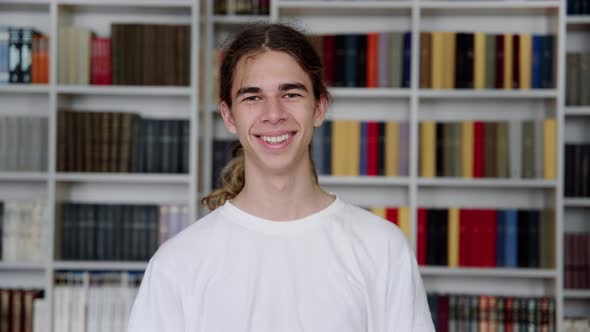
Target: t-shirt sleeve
point(158, 305)
point(405, 306)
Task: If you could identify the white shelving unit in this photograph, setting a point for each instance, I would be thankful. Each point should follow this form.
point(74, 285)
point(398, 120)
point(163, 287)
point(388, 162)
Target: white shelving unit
point(317, 17)
point(576, 125)
point(156, 101)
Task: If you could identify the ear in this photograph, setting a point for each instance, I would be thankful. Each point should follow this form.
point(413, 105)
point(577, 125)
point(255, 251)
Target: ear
point(228, 118)
point(320, 111)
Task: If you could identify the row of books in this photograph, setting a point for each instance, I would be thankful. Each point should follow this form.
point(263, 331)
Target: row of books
point(22, 310)
point(23, 143)
point(475, 149)
point(94, 301)
point(458, 313)
point(478, 60)
point(24, 56)
point(577, 170)
point(577, 324)
point(378, 59)
point(121, 142)
point(135, 54)
point(117, 231)
point(577, 79)
point(578, 7)
point(577, 260)
point(486, 237)
point(23, 231)
point(241, 7)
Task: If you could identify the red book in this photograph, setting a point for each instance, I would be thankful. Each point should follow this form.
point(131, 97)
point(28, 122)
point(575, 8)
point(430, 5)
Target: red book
point(489, 235)
point(421, 237)
point(476, 252)
point(100, 61)
point(329, 50)
point(508, 315)
point(391, 215)
point(44, 60)
point(372, 62)
point(484, 313)
point(478, 149)
point(464, 237)
point(373, 148)
point(443, 313)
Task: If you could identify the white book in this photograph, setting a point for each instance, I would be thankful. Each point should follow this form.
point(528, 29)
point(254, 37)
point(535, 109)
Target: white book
point(35, 144)
point(11, 143)
point(9, 232)
point(163, 224)
point(58, 316)
point(24, 135)
point(175, 220)
point(23, 245)
point(3, 143)
point(92, 308)
point(43, 144)
point(186, 221)
point(40, 315)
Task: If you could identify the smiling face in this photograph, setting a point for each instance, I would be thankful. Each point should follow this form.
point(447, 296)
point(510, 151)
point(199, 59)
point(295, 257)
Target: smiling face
point(273, 112)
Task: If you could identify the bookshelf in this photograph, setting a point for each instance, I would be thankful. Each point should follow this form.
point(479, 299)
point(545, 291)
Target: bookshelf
point(48, 100)
point(575, 209)
point(413, 105)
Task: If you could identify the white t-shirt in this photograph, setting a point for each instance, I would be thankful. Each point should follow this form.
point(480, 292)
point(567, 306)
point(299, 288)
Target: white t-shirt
point(342, 269)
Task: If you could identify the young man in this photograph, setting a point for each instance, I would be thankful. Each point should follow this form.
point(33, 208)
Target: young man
point(278, 253)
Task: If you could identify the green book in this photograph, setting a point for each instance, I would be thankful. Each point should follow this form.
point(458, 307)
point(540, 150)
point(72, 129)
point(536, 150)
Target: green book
point(502, 152)
point(584, 81)
point(396, 49)
point(490, 61)
point(572, 94)
point(528, 149)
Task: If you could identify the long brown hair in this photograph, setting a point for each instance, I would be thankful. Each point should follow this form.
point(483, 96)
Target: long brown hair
point(257, 38)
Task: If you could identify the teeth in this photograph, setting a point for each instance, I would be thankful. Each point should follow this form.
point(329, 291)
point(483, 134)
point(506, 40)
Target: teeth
point(275, 139)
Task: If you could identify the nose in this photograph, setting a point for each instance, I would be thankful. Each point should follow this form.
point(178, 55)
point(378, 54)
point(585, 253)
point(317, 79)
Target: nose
point(274, 111)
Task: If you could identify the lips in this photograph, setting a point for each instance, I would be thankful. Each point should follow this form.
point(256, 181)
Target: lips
point(276, 140)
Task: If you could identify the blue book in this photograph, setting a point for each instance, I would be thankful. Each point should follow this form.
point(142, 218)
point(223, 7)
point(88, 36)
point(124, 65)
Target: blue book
point(4, 55)
point(327, 166)
point(407, 59)
point(317, 148)
point(500, 238)
point(533, 239)
point(510, 241)
point(363, 150)
point(350, 60)
point(536, 62)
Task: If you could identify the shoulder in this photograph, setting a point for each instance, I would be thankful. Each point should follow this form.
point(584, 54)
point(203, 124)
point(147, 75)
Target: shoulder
point(191, 244)
point(372, 229)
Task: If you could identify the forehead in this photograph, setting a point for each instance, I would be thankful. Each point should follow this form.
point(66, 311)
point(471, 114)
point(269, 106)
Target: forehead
point(267, 70)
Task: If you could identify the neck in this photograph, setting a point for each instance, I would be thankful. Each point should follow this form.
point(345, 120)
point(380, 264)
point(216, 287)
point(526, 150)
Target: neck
point(281, 197)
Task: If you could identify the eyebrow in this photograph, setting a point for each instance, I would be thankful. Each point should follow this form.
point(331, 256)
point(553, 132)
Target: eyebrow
point(282, 87)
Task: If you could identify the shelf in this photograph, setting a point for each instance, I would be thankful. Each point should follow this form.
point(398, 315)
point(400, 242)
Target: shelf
point(578, 19)
point(23, 176)
point(127, 3)
point(25, 2)
point(239, 19)
point(488, 272)
point(489, 94)
point(576, 294)
point(577, 202)
point(507, 5)
point(123, 178)
point(21, 266)
point(577, 111)
point(100, 266)
point(489, 183)
point(24, 88)
point(344, 4)
point(125, 90)
point(381, 181)
point(369, 93)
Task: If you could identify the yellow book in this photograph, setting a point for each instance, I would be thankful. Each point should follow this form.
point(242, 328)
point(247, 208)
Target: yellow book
point(508, 61)
point(453, 237)
point(427, 149)
point(525, 61)
point(379, 211)
point(403, 218)
point(339, 147)
point(392, 142)
point(449, 60)
point(479, 61)
point(467, 149)
point(436, 57)
point(549, 148)
point(354, 148)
